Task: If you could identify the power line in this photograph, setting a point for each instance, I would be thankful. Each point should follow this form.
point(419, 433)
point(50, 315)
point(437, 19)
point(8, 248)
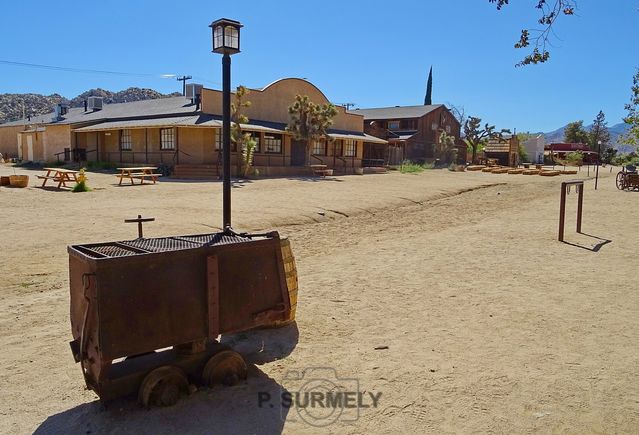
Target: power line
point(82, 70)
point(96, 71)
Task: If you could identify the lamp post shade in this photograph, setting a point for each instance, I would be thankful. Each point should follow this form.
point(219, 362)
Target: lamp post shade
point(226, 36)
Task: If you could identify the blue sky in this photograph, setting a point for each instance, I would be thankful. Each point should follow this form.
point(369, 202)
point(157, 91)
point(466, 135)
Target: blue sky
point(372, 53)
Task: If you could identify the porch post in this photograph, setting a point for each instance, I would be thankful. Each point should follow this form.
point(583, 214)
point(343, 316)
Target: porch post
point(146, 145)
point(177, 146)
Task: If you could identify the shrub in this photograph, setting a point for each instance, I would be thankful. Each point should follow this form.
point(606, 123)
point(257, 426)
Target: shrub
point(575, 158)
point(81, 185)
point(410, 167)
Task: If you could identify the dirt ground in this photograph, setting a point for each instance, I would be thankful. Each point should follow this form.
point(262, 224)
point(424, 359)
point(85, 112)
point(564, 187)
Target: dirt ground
point(482, 321)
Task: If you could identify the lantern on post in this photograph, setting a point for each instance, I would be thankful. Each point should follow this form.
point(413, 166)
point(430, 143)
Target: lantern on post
point(226, 36)
point(226, 41)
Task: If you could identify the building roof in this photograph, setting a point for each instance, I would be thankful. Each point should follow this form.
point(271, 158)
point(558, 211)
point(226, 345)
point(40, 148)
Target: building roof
point(173, 121)
point(133, 109)
point(396, 112)
point(213, 121)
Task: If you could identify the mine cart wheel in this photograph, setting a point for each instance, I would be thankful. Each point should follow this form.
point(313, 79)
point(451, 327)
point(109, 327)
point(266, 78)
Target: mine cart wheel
point(226, 367)
point(163, 387)
point(621, 180)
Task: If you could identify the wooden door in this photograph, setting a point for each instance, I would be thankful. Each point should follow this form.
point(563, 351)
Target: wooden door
point(298, 153)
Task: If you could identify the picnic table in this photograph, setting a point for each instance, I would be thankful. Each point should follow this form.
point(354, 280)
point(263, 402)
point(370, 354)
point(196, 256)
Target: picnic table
point(60, 175)
point(321, 170)
point(140, 173)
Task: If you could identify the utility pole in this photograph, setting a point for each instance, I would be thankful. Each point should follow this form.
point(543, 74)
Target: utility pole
point(183, 79)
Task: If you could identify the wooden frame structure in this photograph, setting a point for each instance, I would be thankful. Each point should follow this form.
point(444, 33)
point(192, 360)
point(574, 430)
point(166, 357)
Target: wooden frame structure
point(565, 189)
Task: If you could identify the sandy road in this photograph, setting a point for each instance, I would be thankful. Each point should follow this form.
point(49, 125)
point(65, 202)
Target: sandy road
point(490, 324)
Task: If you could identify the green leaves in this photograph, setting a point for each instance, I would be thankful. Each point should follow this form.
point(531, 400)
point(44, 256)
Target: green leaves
point(632, 119)
point(575, 133)
point(245, 143)
point(310, 121)
point(540, 38)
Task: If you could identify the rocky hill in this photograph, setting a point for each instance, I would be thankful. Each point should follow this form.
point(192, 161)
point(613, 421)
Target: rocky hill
point(13, 106)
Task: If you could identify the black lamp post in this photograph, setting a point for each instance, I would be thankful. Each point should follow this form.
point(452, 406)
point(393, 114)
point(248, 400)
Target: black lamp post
point(226, 41)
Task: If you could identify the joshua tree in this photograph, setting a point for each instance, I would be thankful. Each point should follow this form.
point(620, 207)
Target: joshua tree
point(475, 134)
point(445, 149)
point(310, 121)
point(244, 141)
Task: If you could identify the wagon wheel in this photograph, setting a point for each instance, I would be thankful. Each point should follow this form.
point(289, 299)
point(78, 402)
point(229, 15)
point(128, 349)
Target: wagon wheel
point(621, 178)
point(163, 387)
point(226, 367)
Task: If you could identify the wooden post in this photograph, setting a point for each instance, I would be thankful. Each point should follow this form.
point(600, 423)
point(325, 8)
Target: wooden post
point(562, 212)
point(580, 203)
point(579, 185)
point(146, 145)
point(177, 147)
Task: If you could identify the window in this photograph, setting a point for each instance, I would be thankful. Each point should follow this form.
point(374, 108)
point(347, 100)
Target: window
point(167, 139)
point(256, 137)
point(218, 139)
point(393, 125)
point(125, 140)
point(319, 148)
point(350, 148)
point(448, 129)
point(339, 148)
point(408, 124)
point(273, 143)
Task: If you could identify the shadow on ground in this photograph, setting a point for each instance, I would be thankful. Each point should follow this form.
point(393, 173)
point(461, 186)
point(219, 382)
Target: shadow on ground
point(315, 179)
point(236, 409)
point(261, 346)
point(588, 242)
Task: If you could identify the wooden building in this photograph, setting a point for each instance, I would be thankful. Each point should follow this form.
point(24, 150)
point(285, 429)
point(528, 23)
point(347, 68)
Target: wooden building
point(185, 133)
point(411, 132)
point(504, 149)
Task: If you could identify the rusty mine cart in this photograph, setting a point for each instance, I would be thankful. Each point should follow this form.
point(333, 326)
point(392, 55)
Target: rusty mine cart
point(146, 313)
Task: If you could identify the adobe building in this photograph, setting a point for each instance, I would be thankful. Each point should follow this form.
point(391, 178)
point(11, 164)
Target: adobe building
point(185, 133)
point(411, 132)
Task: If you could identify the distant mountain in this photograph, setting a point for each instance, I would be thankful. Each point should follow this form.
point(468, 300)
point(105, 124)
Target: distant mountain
point(13, 106)
point(616, 131)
